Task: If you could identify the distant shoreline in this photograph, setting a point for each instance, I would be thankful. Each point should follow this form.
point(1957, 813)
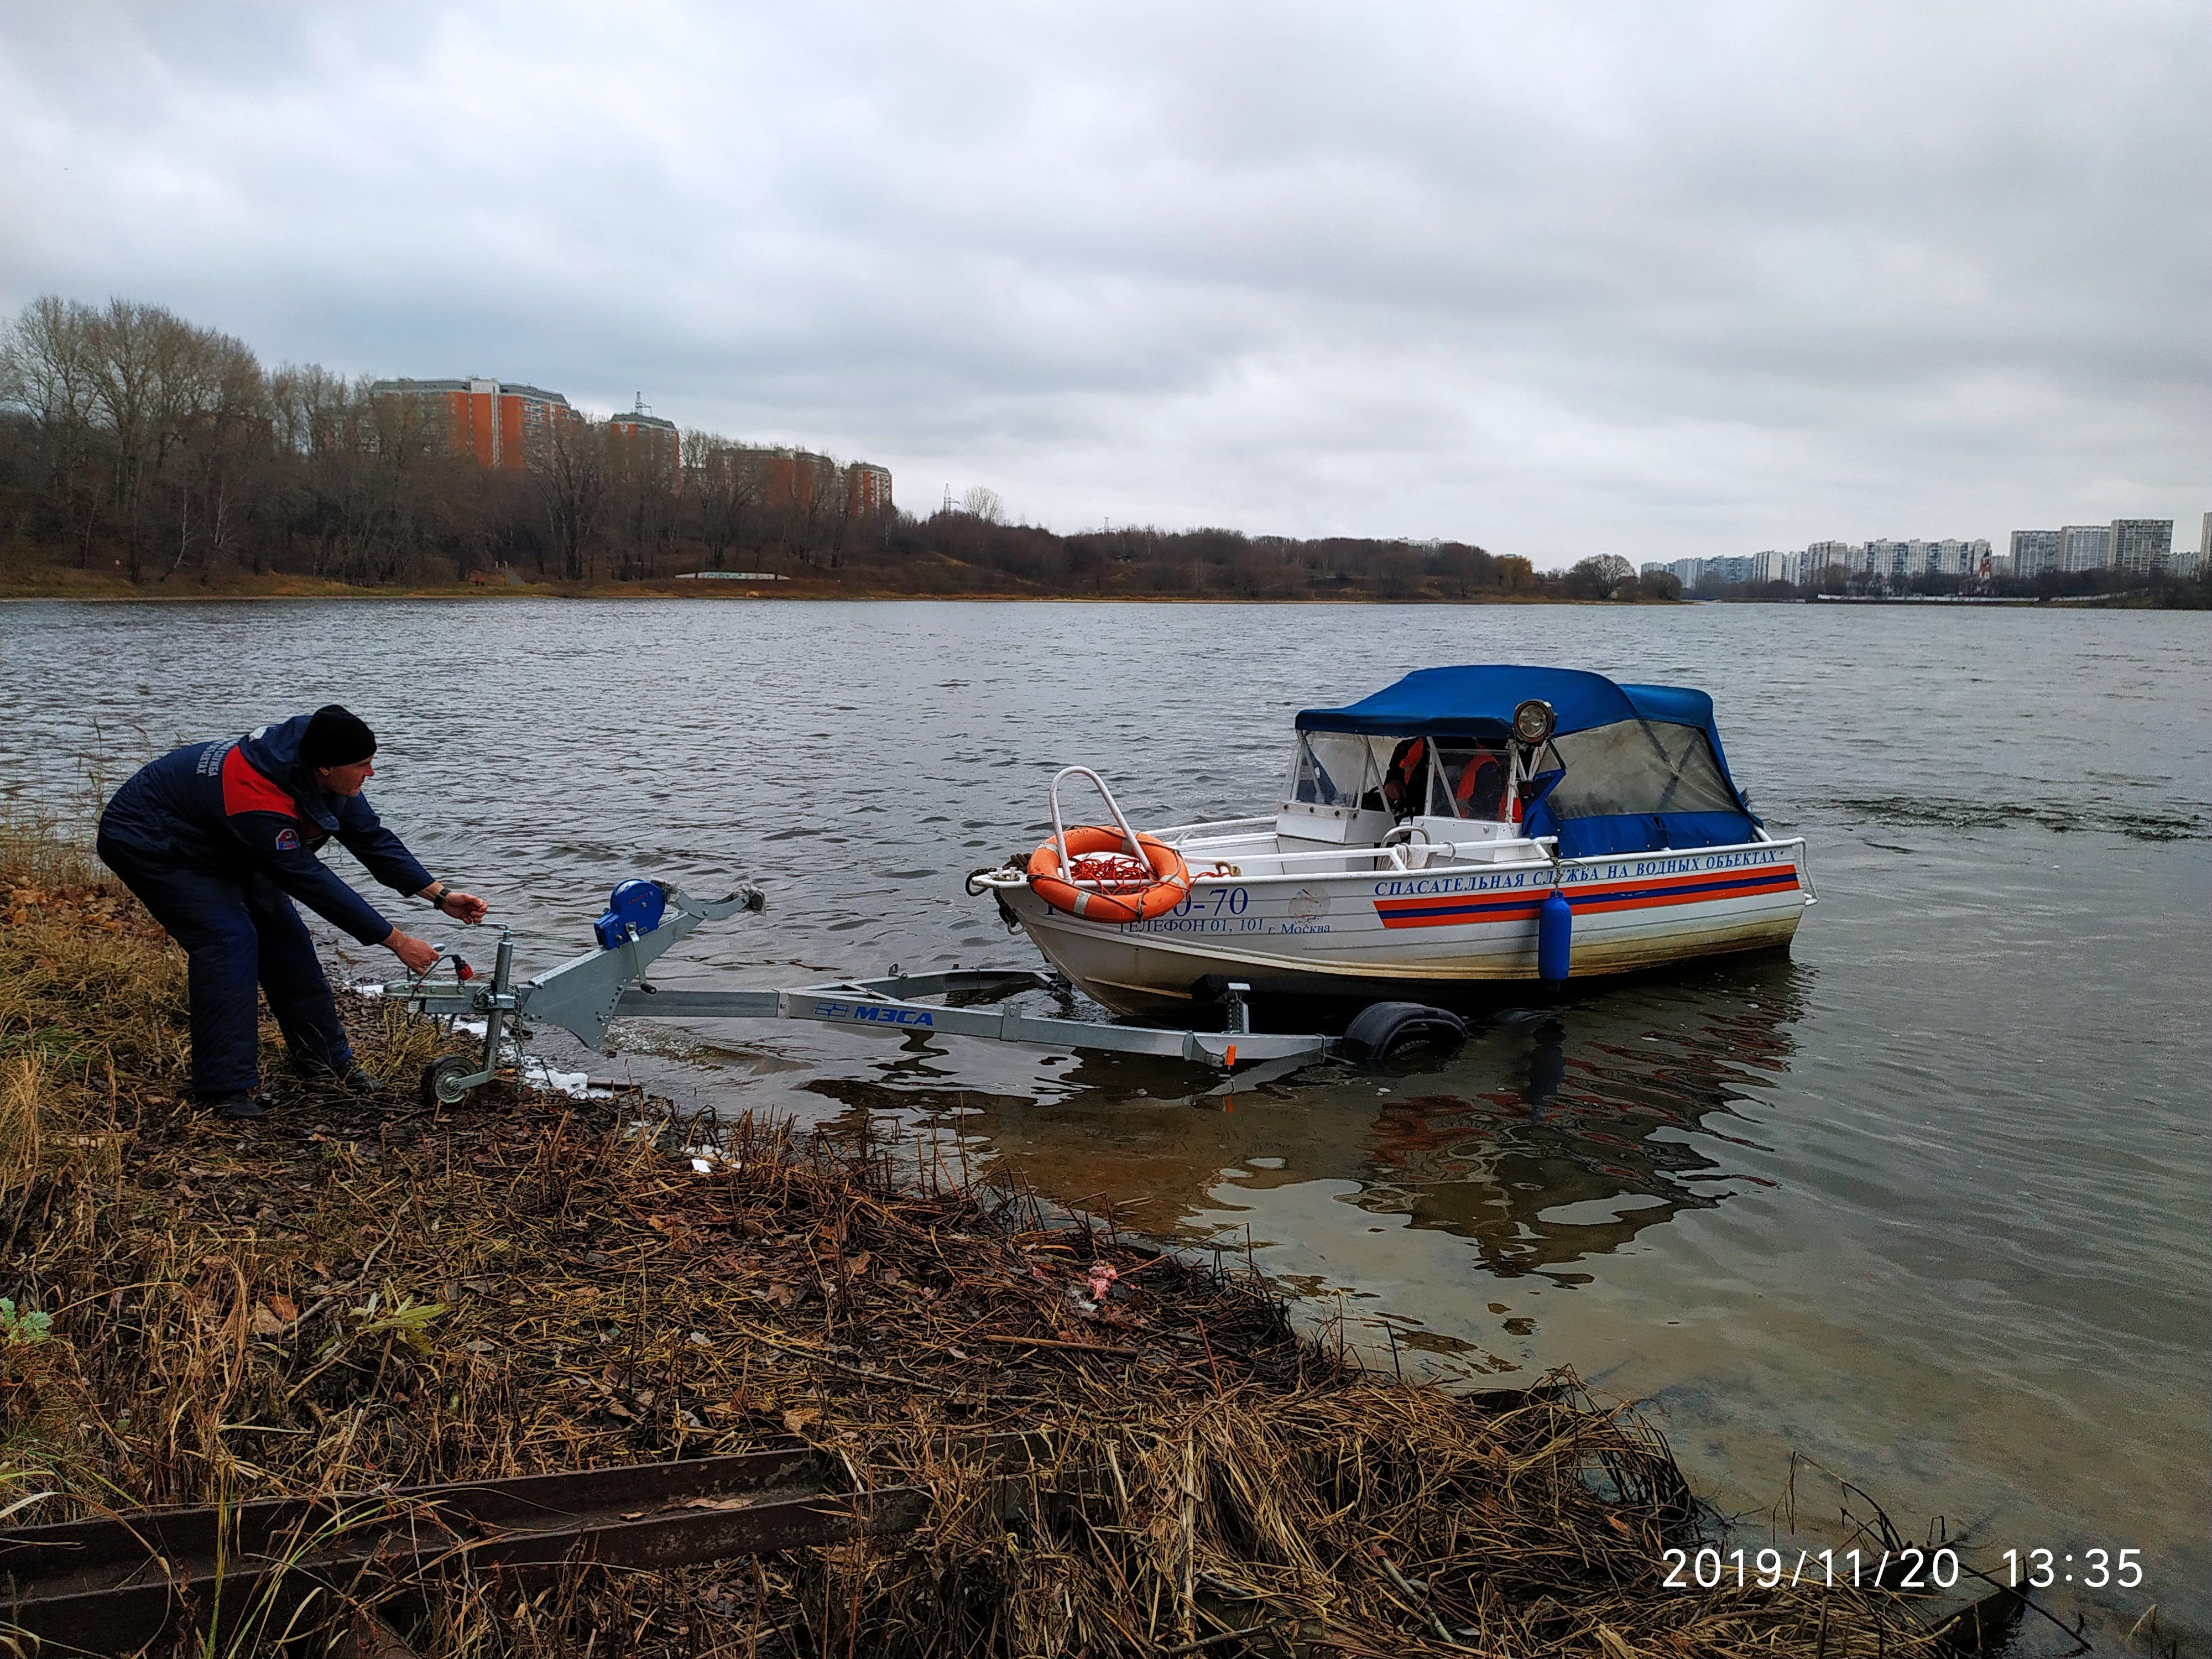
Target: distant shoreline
point(720, 592)
point(33, 593)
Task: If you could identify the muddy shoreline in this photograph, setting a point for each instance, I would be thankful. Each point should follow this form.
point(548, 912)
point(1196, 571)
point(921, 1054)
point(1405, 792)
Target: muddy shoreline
point(357, 1294)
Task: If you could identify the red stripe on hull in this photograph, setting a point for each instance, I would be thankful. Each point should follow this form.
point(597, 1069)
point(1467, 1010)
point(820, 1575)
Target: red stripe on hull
point(1642, 893)
point(1785, 882)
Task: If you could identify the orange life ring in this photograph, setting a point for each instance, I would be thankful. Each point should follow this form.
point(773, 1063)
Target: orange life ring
point(1169, 877)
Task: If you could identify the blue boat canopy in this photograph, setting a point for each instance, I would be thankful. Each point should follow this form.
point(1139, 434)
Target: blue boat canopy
point(1639, 768)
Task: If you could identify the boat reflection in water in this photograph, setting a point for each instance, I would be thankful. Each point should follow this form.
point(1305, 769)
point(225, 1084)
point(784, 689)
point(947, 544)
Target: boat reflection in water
point(1556, 1136)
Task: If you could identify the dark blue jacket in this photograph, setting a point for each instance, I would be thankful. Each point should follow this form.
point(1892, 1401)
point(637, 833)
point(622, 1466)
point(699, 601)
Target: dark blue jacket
point(247, 803)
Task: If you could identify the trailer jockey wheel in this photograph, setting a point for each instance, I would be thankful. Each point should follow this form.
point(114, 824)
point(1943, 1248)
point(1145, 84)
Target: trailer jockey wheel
point(443, 1084)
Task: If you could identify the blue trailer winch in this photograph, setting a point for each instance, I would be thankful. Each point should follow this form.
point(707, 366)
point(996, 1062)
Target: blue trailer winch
point(643, 919)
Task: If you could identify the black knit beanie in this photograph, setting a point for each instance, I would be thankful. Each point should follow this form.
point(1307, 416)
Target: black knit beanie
point(335, 737)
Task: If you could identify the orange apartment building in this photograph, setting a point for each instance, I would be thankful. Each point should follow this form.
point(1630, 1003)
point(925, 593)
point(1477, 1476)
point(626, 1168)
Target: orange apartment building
point(798, 480)
point(645, 444)
point(510, 429)
point(507, 427)
point(867, 488)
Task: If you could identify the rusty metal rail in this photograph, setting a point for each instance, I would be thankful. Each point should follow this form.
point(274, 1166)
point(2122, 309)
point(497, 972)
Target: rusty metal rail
point(113, 1585)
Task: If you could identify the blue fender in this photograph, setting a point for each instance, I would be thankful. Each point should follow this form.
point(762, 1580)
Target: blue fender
point(1555, 937)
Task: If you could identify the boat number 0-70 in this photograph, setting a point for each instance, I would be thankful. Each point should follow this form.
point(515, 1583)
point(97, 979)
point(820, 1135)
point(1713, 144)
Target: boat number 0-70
point(1217, 902)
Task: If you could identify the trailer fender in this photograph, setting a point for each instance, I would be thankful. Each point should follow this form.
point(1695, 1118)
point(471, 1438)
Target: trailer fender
point(1382, 1030)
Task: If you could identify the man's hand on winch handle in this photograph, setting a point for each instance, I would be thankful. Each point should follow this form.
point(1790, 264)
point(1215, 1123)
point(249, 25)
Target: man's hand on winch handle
point(417, 955)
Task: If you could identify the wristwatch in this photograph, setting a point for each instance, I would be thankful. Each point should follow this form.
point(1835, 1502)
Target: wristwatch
point(437, 900)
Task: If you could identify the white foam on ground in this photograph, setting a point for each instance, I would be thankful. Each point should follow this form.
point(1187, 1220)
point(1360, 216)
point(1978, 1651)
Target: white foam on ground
point(538, 1074)
point(535, 1070)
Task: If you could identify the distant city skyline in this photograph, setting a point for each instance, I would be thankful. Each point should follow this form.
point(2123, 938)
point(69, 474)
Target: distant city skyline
point(2143, 546)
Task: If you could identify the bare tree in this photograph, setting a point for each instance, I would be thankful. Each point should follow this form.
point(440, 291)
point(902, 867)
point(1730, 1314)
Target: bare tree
point(645, 478)
point(1597, 576)
point(46, 372)
point(984, 503)
point(223, 432)
point(724, 479)
point(572, 488)
point(364, 484)
point(1396, 572)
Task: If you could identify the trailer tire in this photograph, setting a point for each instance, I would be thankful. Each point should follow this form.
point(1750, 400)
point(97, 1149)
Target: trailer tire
point(440, 1078)
point(1382, 1029)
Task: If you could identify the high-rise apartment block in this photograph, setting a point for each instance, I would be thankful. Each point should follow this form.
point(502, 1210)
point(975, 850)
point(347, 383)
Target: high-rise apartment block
point(2034, 552)
point(644, 443)
point(2143, 546)
point(867, 488)
point(507, 427)
point(801, 481)
point(2084, 547)
point(513, 427)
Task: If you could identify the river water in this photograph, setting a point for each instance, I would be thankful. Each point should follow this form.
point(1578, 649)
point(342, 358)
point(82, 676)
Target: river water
point(1926, 1200)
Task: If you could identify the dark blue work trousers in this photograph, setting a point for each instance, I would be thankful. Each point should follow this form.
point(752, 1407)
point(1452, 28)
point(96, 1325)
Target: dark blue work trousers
point(238, 927)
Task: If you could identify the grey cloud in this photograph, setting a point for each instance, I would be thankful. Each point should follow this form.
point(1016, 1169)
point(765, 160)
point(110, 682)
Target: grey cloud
point(1662, 280)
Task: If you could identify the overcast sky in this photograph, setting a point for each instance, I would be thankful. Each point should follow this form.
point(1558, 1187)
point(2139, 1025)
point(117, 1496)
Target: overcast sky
point(1556, 278)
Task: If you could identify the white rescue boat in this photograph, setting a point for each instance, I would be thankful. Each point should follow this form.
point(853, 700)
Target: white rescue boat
point(1467, 827)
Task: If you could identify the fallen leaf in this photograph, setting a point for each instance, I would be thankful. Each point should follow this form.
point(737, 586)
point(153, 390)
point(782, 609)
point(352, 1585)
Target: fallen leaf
point(284, 1307)
point(264, 1322)
point(615, 1407)
point(796, 1419)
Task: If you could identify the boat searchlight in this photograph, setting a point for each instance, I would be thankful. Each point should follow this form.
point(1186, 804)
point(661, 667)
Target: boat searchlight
point(1533, 722)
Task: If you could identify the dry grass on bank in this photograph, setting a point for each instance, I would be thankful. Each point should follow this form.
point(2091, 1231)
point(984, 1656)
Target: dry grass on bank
point(342, 1297)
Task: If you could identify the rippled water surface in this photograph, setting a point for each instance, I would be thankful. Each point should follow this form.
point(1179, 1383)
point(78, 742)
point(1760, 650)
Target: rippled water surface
point(1926, 1200)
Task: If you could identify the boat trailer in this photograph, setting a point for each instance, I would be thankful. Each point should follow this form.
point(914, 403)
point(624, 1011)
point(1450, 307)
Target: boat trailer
point(585, 995)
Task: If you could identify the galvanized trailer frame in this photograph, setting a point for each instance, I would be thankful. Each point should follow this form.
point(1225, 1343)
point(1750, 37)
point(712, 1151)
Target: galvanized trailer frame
point(585, 995)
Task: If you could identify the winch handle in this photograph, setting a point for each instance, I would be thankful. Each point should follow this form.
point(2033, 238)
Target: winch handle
point(1060, 828)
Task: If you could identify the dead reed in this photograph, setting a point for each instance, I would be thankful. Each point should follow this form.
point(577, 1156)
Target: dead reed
point(1147, 1461)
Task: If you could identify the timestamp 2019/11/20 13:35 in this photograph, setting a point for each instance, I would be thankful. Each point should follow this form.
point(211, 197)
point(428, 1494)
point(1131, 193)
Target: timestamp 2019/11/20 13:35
point(1938, 1568)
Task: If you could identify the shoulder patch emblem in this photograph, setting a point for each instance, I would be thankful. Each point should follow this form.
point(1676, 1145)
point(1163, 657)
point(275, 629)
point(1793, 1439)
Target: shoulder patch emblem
point(287, 841)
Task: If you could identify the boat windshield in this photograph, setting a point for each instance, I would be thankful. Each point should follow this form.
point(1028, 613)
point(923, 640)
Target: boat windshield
point(1337, 768)
point(1468, 780)
point(1450, 777)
